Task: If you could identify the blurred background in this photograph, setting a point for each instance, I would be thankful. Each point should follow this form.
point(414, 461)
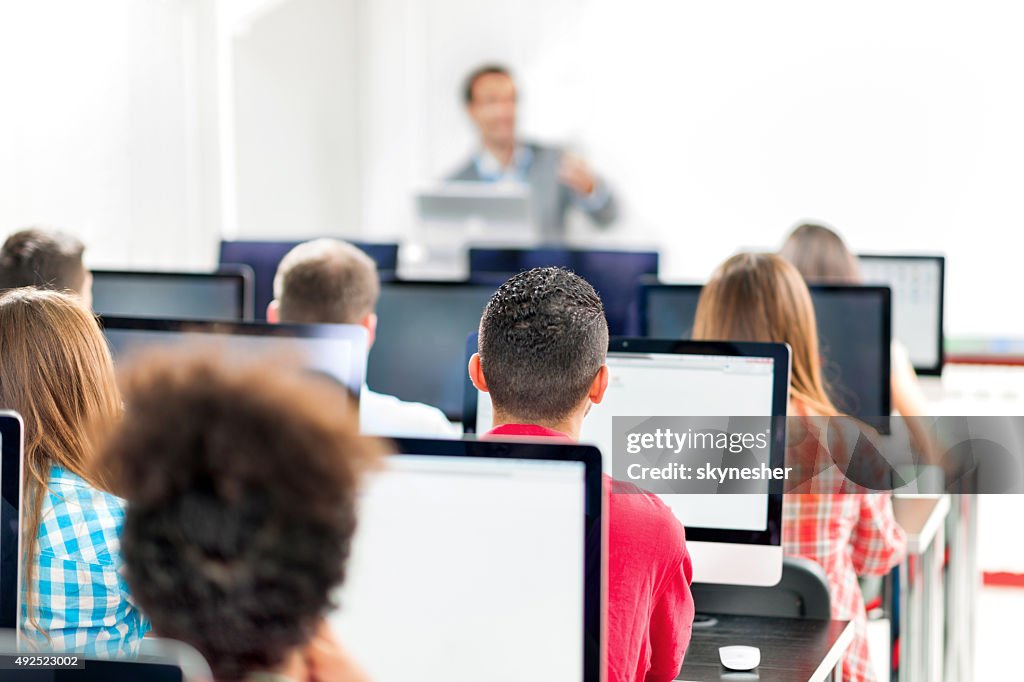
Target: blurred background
point(152, 128)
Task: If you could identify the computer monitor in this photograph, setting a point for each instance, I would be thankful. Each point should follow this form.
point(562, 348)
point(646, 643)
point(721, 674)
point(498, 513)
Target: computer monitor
point(732, 538)
point(614, 274)
point(264, 256)
point(418, 353)
point(918, 290)
point(223, 295)
point(12, 445)
point(335, 350)
point(466, 212)
point(853, 330)
point(476, 560)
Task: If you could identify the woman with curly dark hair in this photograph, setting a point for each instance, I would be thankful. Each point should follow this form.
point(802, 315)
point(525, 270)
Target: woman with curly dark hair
point(241, 487)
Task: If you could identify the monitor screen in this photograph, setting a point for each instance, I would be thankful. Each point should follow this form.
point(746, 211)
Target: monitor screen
point(418, 353)
point(653, 378)
point(491, 204)
point(614, 274)
point(264, 256)
point(917, 284)
point(460, 545)
point(853, 331)
point(335, 350)
point(190, 296)
point(11, 453)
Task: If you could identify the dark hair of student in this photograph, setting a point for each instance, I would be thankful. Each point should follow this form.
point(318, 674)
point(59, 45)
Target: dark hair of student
point(241, 486)
point(543, 338)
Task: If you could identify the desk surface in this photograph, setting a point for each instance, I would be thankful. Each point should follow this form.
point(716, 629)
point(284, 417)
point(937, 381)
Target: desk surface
point(921, 517)
point(792, 649)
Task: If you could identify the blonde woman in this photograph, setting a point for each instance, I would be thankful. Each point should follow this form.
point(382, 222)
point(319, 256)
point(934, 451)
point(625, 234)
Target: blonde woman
point(755, 297)
point(56, 370)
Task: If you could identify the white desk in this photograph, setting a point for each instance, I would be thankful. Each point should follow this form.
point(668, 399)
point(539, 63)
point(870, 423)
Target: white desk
point(920, 628)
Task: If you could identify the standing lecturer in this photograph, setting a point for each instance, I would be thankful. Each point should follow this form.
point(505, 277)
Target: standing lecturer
point(556, 179)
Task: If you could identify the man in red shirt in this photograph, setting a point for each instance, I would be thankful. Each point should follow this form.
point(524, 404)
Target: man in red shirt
point(543, 342)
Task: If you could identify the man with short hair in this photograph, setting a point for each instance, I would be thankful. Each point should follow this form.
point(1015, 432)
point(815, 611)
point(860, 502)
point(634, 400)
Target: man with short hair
point(46, 259)
point(331, 281)
point(557, 180)
point(543, 341)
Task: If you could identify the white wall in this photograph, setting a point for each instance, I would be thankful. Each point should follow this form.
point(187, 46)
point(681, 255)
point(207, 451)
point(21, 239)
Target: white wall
point(722, 124)
point(151, 127)
point(98, 131)
point(294, 77)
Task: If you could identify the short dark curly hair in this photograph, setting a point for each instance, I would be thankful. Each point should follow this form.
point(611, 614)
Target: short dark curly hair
point(241, 487)
point(543, 338)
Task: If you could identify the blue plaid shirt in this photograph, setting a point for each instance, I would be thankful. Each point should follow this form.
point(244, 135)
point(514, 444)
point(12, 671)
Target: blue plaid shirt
point(79, 596)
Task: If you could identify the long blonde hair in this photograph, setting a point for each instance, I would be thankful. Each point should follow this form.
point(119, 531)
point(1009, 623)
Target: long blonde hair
point(761, 297)
point(56, 371)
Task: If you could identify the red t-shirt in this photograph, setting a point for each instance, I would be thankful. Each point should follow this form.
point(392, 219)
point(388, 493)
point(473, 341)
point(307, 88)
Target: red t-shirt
point(650, 610)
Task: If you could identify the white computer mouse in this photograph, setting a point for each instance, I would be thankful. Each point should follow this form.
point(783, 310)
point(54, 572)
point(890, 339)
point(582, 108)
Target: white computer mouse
point(740, 657)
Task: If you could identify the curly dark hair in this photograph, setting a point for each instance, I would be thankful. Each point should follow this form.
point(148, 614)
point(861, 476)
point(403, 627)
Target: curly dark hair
point(543, 338)
point(241, 486)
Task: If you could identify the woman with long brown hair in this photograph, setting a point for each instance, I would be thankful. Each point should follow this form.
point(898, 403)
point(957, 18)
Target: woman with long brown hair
point(760, 297)
point(56, 371)
point(822, 257)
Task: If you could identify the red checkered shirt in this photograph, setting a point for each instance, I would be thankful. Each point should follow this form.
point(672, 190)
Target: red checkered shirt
point(848, 534)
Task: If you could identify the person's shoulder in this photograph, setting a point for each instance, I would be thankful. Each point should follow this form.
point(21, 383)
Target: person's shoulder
point(382, 414)
point(94, 516)
point(542, 151)
point(466, 171)
point(536, 146)
point(632, 506)
point(877, 504)
point(69, 487)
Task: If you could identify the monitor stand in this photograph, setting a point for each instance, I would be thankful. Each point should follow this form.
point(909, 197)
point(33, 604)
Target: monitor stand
point(703, 620)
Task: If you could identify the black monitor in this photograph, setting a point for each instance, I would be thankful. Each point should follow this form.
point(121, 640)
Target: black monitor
point(853, 331)
point(11, 454)
point(335, 350)
point(918, 291)
point(418, 351)
point(225, 295)
point(264, 256)
point(489, 550)
point(614, 274)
